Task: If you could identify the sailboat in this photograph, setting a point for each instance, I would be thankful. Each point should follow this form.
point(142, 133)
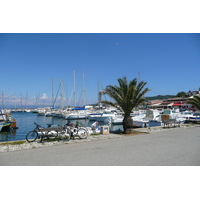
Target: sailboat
point(78, 112)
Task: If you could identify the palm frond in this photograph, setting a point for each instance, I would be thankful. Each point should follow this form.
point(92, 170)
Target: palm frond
point(127, 95)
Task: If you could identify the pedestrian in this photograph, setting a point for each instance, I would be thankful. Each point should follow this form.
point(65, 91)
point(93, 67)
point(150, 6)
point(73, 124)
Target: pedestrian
point(95, 124)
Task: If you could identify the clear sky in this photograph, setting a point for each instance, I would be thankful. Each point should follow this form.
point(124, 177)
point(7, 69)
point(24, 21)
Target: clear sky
point(154, 41)
point(169, 63)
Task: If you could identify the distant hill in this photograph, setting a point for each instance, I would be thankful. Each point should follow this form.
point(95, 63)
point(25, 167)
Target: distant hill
point(160, 97)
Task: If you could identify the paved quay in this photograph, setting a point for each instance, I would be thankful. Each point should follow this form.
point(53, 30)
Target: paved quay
point(161, 147)
point(10, 147)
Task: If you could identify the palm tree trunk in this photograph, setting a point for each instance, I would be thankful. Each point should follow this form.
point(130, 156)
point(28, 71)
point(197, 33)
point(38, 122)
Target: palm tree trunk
point(127, 124)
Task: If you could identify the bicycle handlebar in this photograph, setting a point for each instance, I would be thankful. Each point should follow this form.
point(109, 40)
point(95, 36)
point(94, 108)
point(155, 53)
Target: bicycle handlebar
point(37, 124)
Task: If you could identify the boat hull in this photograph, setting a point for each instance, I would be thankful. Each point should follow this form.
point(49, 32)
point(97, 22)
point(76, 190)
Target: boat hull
point(140, 124)
point(99, 118)
point(73, 117)
point(5, 126)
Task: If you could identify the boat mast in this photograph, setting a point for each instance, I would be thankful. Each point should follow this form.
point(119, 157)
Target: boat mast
point(83, 90)
point(21, 100)
point(61, 93)
point(99, 95)
point(67, 99)
point(53, 93)
point(2, 103)
point(26, 98)
point(15, 100)
point(74, 90)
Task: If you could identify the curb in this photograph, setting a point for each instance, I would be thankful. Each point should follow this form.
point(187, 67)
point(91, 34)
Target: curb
point(7, 147)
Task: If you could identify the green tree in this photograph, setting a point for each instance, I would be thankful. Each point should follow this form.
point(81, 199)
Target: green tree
point(128, 95)
point(181, 94)
point(195, 101)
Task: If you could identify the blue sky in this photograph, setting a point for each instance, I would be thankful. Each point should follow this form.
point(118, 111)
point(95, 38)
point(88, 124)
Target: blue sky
point(169, 63)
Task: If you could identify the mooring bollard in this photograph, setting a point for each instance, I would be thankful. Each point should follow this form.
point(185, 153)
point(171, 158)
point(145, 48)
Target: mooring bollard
point(105, 130)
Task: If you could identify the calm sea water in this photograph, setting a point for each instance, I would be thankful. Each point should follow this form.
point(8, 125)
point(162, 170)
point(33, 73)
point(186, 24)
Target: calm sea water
point(25, 122)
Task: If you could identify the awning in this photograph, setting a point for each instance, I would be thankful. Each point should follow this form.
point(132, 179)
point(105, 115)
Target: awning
point(166, 104)
point(178, 104)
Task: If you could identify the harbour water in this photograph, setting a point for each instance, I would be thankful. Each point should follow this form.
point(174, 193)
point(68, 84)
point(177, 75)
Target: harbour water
point(25, 123)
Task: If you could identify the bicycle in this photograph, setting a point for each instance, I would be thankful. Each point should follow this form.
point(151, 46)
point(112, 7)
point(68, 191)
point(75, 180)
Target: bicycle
point(76, 131)
point(39, 133)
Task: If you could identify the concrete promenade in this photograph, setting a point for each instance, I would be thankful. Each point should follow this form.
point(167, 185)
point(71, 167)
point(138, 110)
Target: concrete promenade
point(161, 147)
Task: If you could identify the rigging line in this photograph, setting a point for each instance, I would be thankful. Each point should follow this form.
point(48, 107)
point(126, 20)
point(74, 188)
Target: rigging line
point(56, 94)
point(104, 95)
point(79, 100)
point(102, 89)
point(70, 97)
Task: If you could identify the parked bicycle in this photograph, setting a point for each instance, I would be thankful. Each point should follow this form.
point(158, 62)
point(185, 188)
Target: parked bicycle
point(64, 132)
point(50, 132)
point(76, 131)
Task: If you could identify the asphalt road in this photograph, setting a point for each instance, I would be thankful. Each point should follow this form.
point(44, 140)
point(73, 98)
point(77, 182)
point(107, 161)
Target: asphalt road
point(177, 147)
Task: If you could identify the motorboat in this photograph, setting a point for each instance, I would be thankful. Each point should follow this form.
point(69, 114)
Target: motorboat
point(1, 126)
point(172, 114)
point(139, 121)
point(118, 119)
point(5, 121)
point(196, 115)
point(41, 112)
point(77, 115)
point(5, 126)
point(104, 116)
point(153, 116)
point(186, 114)
point(48, 114)
point(136, 115)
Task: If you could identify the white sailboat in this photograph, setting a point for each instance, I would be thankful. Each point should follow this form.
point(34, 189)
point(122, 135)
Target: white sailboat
point(78, 112)
point(77, 115)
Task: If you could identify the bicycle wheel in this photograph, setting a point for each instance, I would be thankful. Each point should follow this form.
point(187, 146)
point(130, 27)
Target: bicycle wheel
point(31, 136)
point(82, 133)
point(66, 134)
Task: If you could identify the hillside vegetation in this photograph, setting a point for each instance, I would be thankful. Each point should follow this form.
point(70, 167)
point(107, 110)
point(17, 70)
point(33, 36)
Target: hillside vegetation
point(159, 97)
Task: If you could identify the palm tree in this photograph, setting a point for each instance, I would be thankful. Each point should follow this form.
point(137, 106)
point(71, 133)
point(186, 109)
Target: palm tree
point(127, 95)
point(195, 101)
